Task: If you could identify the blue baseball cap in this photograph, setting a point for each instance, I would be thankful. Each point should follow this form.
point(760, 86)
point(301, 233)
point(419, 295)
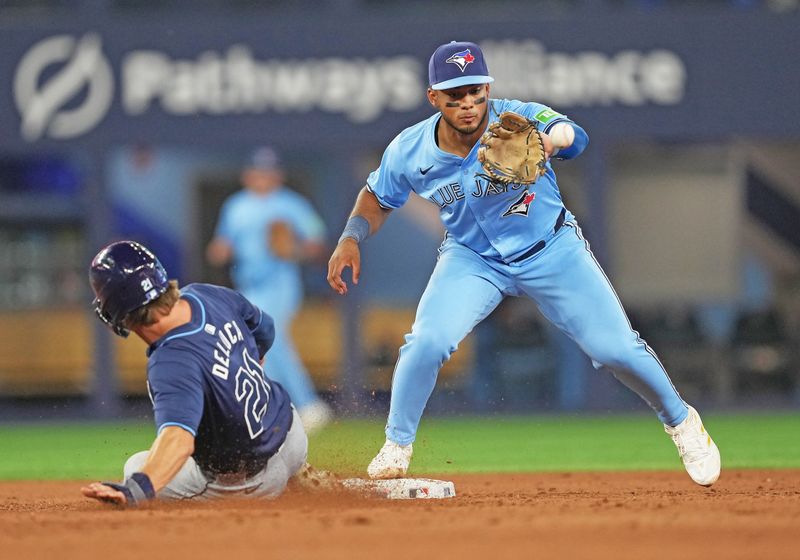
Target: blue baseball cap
point(457, 64)
point(264, 158)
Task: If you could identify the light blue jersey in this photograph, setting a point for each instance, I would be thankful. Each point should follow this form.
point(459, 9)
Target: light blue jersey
point(245, 221)
point(505, 240)
point(494, 220)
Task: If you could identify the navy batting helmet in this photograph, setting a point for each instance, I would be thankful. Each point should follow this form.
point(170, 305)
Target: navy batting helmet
point(125, 276)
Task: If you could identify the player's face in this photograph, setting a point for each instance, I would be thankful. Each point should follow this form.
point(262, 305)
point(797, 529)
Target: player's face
point(261, 181)
point(463, 108)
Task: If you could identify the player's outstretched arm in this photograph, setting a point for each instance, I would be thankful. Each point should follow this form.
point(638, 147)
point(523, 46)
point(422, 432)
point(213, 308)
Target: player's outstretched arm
point(169, 452)
point(366, 219)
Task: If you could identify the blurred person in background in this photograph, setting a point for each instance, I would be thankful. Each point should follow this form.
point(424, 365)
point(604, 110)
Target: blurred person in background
point(265, 232)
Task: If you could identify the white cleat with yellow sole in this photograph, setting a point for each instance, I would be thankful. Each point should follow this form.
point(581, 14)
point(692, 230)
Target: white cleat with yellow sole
point(697, 450)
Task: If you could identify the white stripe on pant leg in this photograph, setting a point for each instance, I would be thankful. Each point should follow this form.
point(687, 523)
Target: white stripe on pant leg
point(647, 348)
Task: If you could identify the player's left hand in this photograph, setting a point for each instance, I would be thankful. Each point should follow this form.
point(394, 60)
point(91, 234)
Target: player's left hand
point(103, 493)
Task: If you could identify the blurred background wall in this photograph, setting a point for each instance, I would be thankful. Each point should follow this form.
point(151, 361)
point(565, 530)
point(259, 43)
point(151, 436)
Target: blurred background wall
point(131, 119)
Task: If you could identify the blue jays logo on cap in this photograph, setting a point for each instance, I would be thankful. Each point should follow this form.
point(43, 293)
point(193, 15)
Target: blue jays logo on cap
point(457, 64)
point(461, 59)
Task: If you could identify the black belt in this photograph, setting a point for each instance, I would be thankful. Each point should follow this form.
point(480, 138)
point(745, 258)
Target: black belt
point(540, 245)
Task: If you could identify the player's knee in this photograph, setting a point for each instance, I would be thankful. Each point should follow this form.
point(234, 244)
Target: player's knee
point(615, 358)
point(134, 463)
point(432, 345)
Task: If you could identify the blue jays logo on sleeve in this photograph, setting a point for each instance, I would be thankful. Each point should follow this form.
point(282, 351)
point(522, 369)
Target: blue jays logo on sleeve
point(521, 205)
point(461, 59)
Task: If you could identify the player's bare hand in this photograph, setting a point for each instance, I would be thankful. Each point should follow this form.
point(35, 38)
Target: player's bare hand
point(103, 493)
point(547, 142)
point(346, 254)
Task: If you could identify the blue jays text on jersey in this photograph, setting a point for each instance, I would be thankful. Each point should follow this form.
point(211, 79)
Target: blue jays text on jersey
point(206, 377)
point(494, 220)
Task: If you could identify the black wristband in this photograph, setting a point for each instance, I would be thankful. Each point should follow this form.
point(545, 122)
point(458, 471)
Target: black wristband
point(137, 488)
point(143, 483)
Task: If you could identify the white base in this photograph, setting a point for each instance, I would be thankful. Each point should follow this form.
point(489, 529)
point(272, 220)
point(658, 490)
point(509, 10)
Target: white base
point(403, 488)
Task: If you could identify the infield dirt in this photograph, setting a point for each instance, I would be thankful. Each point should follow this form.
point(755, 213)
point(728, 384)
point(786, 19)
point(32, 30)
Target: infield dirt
point(747, 514)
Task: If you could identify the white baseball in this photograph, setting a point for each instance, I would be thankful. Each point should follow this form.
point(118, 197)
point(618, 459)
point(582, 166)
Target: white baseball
point(562, 135)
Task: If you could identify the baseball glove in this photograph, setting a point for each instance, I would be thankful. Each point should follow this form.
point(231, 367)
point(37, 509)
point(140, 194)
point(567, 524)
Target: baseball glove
point(282, 241)
point(512, 150)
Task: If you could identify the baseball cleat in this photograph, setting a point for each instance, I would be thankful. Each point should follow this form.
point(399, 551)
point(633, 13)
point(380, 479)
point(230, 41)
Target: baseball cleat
point(391, 461)
point(698, 451)
point(310, 478)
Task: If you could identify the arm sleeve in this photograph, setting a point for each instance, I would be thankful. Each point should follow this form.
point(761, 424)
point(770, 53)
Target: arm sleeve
point(261, 325)
point(264, 333)
point(578, 145)
point(388, 183)
point(176, 387)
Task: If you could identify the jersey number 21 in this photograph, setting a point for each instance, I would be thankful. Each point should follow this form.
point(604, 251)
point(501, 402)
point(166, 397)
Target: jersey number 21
point(253, 389)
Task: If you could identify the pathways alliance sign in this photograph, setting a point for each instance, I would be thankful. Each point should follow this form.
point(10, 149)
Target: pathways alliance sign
point(64, 85)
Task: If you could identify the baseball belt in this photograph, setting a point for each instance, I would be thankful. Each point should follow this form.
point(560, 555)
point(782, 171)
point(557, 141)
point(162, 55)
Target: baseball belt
point(541, 244)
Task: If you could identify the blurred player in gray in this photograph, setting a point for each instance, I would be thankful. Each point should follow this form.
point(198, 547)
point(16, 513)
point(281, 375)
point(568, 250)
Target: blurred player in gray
point(265, 231)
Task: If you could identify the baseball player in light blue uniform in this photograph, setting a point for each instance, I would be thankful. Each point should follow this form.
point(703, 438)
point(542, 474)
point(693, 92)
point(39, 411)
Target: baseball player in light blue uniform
point(502, 240)
point(271, 281)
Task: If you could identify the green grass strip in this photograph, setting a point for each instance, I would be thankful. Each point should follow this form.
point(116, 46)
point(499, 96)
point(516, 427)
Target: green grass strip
point(563, 443)
point(444, 445)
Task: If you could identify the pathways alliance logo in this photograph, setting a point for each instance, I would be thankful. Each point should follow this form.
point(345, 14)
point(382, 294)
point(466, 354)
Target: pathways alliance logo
point(63, 87)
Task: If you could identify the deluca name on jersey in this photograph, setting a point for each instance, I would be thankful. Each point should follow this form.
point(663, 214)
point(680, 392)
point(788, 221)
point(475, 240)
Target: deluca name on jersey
point(227, 336)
